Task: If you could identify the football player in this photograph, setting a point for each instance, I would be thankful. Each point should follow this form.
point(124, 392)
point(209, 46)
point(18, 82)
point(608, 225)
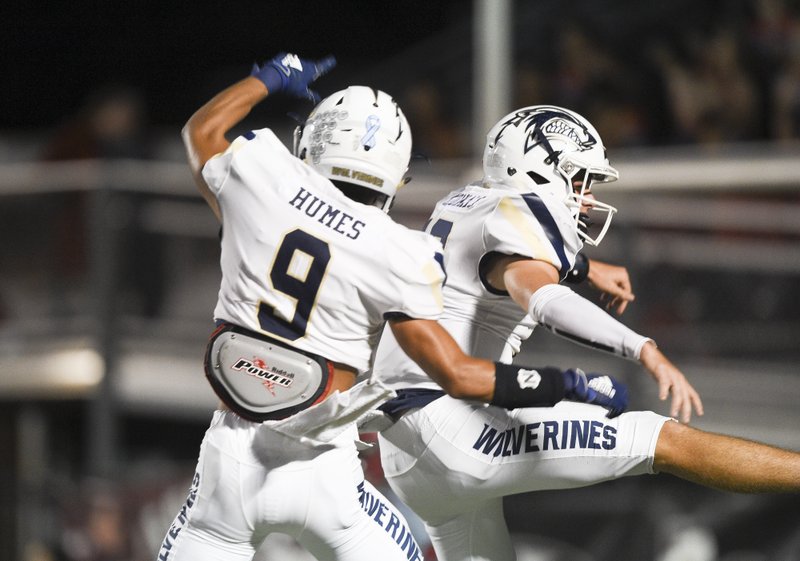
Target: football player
point(509, 241)
point(312, 267)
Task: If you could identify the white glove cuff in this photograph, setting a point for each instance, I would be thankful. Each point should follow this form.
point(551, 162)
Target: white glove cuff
point(565, 313)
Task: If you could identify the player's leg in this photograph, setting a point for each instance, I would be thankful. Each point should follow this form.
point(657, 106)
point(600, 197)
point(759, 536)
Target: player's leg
point(210, 525)
point(725, 462)
point(344, 517)
point(477, 535)
point(450, 461)
point(388, 517)
point(448, 456)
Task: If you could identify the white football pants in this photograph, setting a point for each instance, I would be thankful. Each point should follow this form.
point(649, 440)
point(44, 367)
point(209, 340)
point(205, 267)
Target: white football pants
point(251, 482)
point(452, 462)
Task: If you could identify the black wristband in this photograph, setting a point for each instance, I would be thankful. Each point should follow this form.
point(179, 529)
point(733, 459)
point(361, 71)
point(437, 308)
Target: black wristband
point(521, 386)
point(580, 271)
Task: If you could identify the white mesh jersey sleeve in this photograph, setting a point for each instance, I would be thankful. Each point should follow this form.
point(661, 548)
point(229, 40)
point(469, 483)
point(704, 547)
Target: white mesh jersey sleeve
point(304, 264)
point(505, 222)
point(474, 222)
point(417, 270)
point(525, 225)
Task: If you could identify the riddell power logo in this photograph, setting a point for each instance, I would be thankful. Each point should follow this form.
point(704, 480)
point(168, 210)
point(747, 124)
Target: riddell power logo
point(269, 375)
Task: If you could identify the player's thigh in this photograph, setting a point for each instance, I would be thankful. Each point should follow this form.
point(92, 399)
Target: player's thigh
point(193, 544)
point(347, 518)
point(373, 529)
point(390, 518)
point(570, 445)
point(211, 523)
point(448, 455)
point(365, 540)
point(429, 464)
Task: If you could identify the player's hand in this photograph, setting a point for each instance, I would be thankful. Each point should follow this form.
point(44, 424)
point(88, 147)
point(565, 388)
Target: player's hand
point(613, 283)
point(292, 75)
point(670, 380)
point(597, 389)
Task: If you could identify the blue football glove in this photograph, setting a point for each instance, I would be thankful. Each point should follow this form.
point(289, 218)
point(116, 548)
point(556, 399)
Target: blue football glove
point(291, 74)
point(597, 389)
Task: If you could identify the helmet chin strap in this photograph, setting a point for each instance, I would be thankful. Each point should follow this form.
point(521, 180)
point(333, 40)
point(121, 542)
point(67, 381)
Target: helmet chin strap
point(583, 223)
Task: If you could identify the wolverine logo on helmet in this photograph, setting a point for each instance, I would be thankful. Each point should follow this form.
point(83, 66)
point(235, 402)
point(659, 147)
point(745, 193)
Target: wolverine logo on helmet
point(543, 122)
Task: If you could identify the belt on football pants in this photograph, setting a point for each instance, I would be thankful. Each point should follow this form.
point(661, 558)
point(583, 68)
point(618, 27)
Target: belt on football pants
point(407, 399)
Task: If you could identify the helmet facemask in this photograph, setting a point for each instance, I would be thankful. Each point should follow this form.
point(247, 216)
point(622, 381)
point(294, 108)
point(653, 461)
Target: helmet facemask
point(592, 217)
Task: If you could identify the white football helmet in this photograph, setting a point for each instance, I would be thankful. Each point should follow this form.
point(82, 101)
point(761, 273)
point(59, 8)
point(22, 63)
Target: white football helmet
point(546, 149)
point(359, 136)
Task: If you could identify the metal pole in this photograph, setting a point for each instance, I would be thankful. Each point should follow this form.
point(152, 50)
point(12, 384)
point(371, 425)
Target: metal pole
point(492, 66)
point(102, 414)
point(34, 524)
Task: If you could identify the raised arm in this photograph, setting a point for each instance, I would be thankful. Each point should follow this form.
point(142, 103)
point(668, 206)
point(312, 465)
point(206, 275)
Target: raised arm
point(204, 133)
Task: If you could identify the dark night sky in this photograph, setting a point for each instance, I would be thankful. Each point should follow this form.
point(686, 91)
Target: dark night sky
point(55, 53)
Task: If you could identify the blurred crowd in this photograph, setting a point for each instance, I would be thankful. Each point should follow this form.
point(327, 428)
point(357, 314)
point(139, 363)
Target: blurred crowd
point(716, 73)
point(720, 72)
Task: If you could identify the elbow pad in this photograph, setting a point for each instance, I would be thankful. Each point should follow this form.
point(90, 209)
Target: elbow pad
point(566, 313)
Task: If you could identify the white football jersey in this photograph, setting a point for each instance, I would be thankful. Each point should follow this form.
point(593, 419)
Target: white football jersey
point(474, 222)
point(303, 263)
